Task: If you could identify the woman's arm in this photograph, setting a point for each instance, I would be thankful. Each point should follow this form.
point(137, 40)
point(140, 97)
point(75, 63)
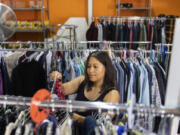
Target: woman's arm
point(78, 118)
point(68, 87)
point(112, 97)
point(72, 86)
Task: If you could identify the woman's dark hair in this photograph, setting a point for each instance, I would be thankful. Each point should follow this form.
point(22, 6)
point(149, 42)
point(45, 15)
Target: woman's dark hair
point(110, 72)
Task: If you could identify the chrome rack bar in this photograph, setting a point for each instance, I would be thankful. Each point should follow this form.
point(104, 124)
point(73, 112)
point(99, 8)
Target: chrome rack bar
point(54, 45)
point(163, 44)
point(114, 42)
point(81, 50)
point(83, 42)
point(130, 18)
point(27, 42)
point(78, 42)
point(100, 106)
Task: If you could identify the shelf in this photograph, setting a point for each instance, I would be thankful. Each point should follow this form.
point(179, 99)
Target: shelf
point(138, 8)
point(147, 8)
point(29, 9)
point(31, 30)
point(36, 8)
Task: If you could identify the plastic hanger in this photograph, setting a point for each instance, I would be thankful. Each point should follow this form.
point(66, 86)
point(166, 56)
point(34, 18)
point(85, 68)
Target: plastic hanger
point(18, 130)
point(9, 128)
point(66, 125)
point(97, 131)
point(28, 129)
point(49, 128)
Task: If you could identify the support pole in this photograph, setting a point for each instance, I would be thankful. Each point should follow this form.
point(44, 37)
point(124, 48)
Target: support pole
point(90, 11)
point(173, 87)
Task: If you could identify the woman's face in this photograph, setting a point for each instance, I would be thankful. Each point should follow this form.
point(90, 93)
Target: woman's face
point(95, 70)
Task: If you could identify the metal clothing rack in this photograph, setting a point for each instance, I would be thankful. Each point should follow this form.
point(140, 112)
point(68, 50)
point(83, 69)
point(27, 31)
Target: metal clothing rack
point(83, 50)
point(74, 43)
point(56, 46)
point(84, 105)
point(134, 18)
point(163, 44)
point(81, 42)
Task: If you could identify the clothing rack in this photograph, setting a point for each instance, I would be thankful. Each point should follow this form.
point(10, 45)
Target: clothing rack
point(53, 45)
point(82, 105)
point(130, 18)
point(75, 43)
point(56, 48)
point(81, 50)
point(82, 42)
point(163, 44)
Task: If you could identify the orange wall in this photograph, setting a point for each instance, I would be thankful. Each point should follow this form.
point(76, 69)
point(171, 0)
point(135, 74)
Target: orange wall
point(167, 7)
point(61, 10)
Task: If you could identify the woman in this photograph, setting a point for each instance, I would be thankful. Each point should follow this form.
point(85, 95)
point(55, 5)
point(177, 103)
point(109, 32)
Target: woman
point(98, 84)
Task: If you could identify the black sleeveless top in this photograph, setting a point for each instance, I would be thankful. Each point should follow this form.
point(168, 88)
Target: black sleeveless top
point(81, 97)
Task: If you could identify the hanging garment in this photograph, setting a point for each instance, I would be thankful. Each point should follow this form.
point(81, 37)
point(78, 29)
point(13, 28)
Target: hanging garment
point(5, 77)
point(77, 69)
point(12, 61)
point(135, 35)
point(58, 91)
point(27, 78)
point(48, 62)
point(1, 83)
point(150, 81)
point(120, 81)
point(160, 84)
point(92, 34)
point(146, 30)
point(137, 82)
point(104, 30)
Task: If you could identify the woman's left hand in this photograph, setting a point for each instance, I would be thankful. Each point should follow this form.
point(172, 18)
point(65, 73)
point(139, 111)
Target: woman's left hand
point(78, 118)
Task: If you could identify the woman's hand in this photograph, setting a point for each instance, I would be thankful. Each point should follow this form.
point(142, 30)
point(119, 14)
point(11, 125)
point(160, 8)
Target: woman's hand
point(78, 118)
point(55, 75)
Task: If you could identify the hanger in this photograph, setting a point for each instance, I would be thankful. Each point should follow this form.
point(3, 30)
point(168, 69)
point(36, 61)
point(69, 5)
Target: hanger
point(28, 129)
point(30, 47)
point(102, 121)
point(66, 125)
point(26, 58)
point(11, 126)
point(18, 130)
point(49, 128)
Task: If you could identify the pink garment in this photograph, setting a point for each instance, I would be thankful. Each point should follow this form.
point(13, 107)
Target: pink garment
point(58, 91)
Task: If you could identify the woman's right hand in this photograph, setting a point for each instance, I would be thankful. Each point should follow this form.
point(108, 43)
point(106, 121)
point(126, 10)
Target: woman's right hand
point(55, 75)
